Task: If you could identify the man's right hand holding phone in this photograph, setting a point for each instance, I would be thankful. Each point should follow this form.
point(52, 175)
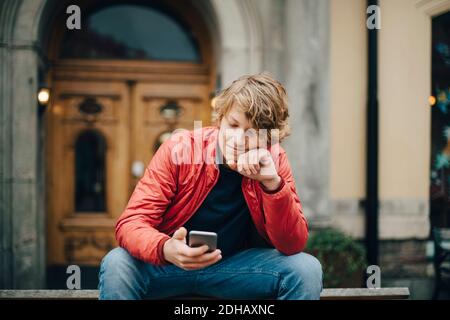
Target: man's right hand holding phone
point(180, 254)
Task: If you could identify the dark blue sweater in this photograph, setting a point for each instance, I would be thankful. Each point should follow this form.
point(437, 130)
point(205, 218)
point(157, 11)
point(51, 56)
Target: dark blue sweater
point(225, 212)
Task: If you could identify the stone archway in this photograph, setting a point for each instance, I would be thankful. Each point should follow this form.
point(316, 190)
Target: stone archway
point(238, 47)
point(239, 43)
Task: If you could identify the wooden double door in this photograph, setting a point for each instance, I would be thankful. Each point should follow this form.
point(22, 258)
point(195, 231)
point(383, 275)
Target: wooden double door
point(102, 132)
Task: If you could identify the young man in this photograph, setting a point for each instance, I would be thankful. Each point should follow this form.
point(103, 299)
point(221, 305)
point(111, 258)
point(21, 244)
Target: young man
point(233, 179)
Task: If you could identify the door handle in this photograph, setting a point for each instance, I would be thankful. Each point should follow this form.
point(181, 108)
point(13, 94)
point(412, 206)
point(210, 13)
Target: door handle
point(137, 169)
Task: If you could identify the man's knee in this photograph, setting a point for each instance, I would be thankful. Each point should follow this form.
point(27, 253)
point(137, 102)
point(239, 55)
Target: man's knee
point(116, 257)
point(305, 271)
point(120, 276)
point(118, 262)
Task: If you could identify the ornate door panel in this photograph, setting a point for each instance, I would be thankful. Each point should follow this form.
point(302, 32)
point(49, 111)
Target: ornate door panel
point(88, 157)
point(160, 109)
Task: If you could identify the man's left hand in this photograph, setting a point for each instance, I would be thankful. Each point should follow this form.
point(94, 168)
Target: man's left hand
point(258, 164)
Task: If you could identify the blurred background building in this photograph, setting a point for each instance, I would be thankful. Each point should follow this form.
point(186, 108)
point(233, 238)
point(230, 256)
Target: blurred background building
point(112, 91)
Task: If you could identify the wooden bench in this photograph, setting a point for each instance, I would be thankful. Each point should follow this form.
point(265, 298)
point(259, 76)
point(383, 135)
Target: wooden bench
point(327, 294)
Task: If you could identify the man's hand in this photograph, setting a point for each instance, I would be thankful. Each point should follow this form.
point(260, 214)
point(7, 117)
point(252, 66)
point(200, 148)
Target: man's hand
point(180, 254)
point(258, 164)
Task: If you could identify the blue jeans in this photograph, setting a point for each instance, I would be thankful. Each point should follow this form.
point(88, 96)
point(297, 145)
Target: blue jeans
point(256, 273)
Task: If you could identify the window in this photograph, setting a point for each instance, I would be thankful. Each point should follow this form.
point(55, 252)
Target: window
point(90, 154)
point(126, 31)
point(440, 123)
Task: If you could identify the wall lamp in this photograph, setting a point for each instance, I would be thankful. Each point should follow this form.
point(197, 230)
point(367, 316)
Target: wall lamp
point(43, 98)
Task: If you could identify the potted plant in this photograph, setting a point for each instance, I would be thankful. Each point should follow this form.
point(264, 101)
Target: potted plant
point(343, 259)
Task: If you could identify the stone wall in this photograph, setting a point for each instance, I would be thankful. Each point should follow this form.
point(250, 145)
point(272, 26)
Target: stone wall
point(21, 194)
point(404, 259)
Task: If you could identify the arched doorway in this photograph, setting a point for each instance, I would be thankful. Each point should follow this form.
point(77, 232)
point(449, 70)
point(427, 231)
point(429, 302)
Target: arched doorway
point(131, 75)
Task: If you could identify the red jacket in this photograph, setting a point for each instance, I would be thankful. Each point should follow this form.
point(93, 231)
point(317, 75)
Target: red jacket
point(172, 190)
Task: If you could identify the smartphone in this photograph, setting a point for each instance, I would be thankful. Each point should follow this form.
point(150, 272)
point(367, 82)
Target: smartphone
point(199, 238)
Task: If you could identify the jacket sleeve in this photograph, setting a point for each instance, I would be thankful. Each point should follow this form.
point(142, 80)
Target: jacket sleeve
point(285, 224)
point(137, 227)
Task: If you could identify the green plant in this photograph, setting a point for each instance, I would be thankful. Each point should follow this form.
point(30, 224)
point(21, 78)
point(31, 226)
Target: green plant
point(343, 259)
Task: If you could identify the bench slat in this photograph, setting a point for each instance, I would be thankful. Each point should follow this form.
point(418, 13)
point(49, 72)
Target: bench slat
point(364, 294)
point(327, 294)
point(49, 294)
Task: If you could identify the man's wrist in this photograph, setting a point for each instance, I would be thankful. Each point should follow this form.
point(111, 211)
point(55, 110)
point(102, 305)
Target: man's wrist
point(272, 184)
point(165, 249)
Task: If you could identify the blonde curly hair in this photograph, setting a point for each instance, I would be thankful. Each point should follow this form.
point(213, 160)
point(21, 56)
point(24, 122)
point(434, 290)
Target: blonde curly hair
point(263, 100)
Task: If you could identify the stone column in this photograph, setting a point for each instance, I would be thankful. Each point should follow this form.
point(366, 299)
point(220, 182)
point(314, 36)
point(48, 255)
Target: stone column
point(21, 217)
point(306, 76)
